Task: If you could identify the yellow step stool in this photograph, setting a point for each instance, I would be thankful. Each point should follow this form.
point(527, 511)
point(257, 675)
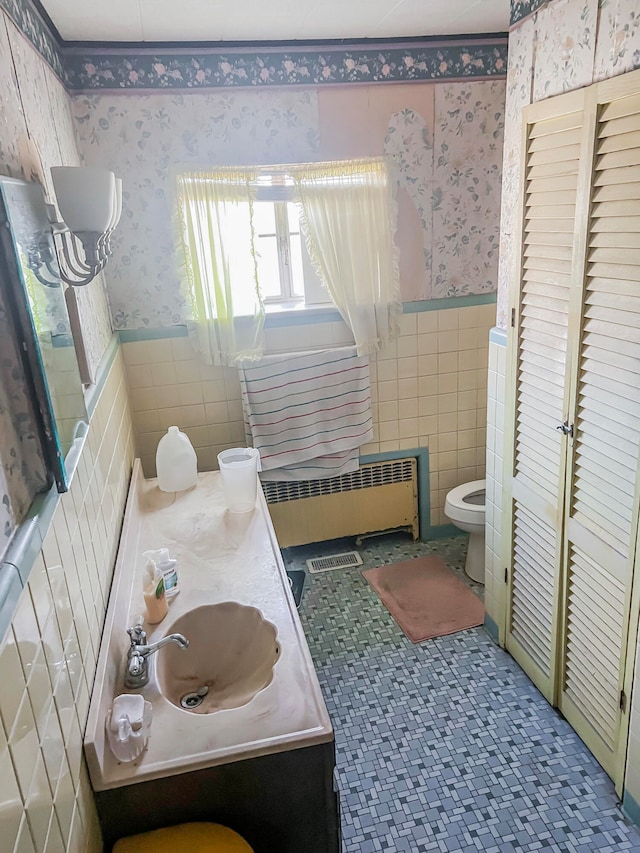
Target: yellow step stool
point(185, 838)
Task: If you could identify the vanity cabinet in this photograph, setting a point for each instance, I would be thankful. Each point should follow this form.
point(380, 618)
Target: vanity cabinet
point(573, 390)
point(263, 767)
point(281, 803)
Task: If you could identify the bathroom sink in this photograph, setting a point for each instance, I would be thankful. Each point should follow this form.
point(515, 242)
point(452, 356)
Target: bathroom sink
point(232, 652)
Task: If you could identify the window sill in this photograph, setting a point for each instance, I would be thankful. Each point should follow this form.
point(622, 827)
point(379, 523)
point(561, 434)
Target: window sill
point(300, 314)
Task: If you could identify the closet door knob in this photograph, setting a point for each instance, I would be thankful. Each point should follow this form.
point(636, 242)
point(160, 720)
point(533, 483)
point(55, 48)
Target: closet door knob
point(566, 428)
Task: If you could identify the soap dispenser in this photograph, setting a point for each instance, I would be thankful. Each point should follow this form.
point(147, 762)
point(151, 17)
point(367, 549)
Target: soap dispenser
point(167, 567)
point(155, 598)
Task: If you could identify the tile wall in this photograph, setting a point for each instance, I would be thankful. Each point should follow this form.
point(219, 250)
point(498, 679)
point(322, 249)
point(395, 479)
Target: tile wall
point(48, 657)
point(428, 390)
point(494, 565)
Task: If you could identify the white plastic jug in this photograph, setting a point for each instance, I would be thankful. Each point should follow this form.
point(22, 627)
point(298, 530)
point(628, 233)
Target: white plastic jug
point(239, 467)
point(176, 462)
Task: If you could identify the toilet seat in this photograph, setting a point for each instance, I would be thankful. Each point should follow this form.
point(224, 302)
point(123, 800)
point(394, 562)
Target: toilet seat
point(457, 506)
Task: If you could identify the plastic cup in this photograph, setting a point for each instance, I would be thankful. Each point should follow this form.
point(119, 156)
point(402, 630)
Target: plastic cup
point(239, 467)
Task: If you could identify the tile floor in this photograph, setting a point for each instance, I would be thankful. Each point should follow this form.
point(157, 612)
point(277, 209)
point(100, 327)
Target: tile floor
point(445, 746)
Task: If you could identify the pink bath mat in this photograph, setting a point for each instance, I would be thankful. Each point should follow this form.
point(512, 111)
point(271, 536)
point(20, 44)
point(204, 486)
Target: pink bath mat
point(426, 598)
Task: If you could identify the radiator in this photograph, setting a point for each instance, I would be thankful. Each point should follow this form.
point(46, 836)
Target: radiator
point(378, 497)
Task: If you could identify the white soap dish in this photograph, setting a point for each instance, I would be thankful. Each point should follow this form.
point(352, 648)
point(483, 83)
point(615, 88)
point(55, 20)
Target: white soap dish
point(127, 724)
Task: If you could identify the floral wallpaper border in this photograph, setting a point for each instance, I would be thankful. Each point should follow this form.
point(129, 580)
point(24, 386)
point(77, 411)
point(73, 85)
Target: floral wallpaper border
point(521, 9)
point(31, 24)
point(223, 68)
point(217, 68)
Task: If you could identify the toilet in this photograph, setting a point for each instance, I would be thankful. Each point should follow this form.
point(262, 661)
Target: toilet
point(464, 506)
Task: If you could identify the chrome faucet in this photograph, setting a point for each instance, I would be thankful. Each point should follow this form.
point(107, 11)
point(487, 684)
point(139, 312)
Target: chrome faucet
point(137, 671)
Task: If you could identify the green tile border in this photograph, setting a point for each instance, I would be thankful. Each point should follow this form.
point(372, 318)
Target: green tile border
point(62, 340)
point(156, 333)
point(630, 808)
point(421, 454)
point(421, 305)
point(309, 318)
point(445, 531)
point(26, 544)
point(424, 498)
point(498, 336)
point(491, 627)
point(302, 318)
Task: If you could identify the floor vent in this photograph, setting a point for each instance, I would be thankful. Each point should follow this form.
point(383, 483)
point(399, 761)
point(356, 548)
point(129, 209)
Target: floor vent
point(335, 561)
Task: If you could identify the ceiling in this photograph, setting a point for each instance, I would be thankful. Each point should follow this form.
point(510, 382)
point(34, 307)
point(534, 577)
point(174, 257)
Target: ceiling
point(275, 20)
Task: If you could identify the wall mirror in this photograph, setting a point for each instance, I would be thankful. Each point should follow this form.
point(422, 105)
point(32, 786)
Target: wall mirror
point(37, 298)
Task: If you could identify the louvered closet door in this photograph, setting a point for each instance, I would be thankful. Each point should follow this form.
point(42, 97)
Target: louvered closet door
point(602, 491)
point(542, 394)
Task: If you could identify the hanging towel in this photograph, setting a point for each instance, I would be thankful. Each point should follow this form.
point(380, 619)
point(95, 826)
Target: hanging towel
point(308, 413)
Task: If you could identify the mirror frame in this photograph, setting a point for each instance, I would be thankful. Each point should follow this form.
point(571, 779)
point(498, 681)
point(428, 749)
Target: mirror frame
point(19, 305)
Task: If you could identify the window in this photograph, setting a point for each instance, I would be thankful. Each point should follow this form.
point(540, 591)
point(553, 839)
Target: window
point(242, 249)
point(278, 249)
point(285, 272)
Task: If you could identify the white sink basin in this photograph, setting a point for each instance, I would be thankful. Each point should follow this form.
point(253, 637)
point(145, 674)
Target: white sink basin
point(232, 652)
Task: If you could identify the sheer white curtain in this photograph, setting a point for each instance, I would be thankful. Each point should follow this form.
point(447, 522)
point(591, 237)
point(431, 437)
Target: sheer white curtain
point(348, 215)
point(216, 235)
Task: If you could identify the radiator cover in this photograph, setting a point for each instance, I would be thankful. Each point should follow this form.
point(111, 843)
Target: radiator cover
point(379, 496)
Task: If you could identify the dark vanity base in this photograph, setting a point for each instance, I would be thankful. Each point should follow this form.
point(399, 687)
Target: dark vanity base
point(281, 803)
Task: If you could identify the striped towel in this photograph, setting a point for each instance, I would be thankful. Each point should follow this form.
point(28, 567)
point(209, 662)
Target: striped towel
point(307, 413)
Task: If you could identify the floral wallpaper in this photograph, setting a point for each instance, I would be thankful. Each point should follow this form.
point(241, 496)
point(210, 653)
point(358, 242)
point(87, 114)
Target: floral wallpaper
point(466, 192)
point(618, 40)
point(146, 137)
point(519, 93)
point(11, 116)
point(409, 143)
point(566, 44)
point(565, 47)
point(452, 173)
point(143, 139)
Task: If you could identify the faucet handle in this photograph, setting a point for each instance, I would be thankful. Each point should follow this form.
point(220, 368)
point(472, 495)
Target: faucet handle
point(135, 665)
point(137, 633)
